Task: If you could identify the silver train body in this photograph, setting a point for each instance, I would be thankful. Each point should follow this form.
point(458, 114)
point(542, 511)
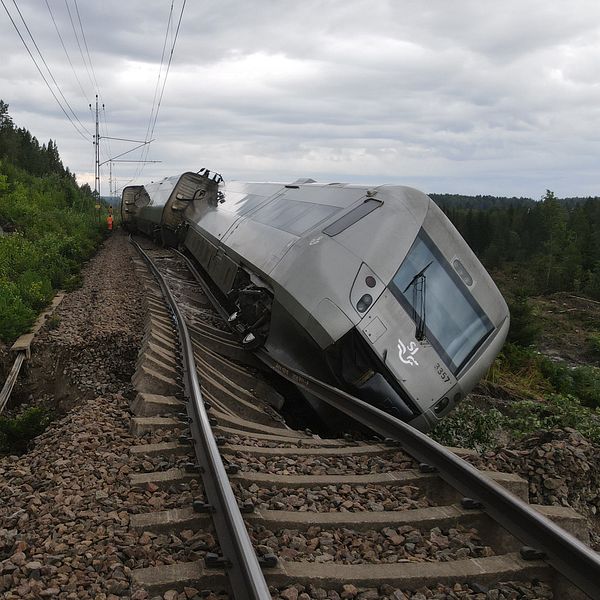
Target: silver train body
point(369, 287)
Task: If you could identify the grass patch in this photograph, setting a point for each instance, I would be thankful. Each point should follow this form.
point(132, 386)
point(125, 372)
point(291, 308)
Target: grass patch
point(16, 433)
point(543, 395)
point(557, 411)
point(53, 322)
point(528, 374)
point(55, 229)
point(594, 343)
point(471, 426)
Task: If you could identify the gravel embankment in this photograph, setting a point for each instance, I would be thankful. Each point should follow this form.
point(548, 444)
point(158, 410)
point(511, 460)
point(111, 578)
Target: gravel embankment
point(99, 326)
point(65, 505)
point(561, 467)
point(503, 591)
point(324, 465)
point(388, 545)
point(334, 498)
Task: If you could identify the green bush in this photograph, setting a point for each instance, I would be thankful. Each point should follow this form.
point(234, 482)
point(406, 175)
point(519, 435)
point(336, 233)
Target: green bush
point(594, 342)
point(540, 375)
point(56, 231)
point(557, 411)
point(72, 282)
point(582, 382)
point(515, 358)
point(15, 316)
point(16, 433)
point(524, 327)
point(35, 289)
point(586, 385)
point(558, 374)
point(469, 427)
point(481, 428)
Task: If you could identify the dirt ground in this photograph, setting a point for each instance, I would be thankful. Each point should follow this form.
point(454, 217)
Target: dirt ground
point(90, 343)
point(567, 324)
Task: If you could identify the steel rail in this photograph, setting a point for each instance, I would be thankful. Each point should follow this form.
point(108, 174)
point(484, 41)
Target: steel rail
point(244, 572)
point(569, 556)
point(9, 384)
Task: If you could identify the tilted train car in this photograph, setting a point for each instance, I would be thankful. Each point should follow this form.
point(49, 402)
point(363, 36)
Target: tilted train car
point(370, 288)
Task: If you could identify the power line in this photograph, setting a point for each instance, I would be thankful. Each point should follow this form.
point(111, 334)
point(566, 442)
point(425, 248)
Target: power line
point(106, 136)
point(41, 73)
point(49, 71)
point(167, 71)
point(162, 59)
point(145, 151)
point(66, 53)
point(103, 120)
point(168, 68)
point(78, 44)
point(86, 46)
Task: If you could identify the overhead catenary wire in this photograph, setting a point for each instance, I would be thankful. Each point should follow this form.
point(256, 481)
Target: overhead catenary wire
point(67, 53)
point(162, 58)
point(144, 152)
point(87, 50)
point(49, 70)
point(79, 44)
point(101, 118)
point(166, 73)
point(86, 138)
point(168, 68)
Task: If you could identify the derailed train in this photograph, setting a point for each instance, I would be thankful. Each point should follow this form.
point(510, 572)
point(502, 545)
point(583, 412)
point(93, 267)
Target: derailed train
point(368, 287)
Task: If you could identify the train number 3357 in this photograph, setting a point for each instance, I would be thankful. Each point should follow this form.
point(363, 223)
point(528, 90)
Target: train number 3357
point(440, 371)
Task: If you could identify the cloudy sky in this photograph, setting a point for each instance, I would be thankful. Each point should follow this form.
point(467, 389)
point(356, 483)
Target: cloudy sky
point(470, 97)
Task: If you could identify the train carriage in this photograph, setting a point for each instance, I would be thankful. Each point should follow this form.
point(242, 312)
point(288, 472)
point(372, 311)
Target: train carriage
point(368, 287)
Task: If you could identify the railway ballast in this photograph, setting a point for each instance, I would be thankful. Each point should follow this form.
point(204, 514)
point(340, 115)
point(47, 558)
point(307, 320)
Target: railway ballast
point(327, 518)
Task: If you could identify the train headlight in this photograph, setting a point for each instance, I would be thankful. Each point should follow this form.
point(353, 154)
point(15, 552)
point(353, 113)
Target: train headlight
point(441, 406)
point(462, 272)
point(364, 303)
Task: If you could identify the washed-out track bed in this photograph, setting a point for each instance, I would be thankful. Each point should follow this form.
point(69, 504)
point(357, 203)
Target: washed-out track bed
point(328, 518)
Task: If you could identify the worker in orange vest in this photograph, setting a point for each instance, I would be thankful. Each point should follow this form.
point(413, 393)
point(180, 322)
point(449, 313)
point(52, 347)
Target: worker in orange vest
point(109, 222)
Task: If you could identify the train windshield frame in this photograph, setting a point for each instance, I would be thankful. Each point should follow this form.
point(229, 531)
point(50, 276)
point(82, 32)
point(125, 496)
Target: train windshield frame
point(453, 322)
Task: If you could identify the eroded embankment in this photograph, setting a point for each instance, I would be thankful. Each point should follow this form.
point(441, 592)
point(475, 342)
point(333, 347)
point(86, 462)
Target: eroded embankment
point(64, 504)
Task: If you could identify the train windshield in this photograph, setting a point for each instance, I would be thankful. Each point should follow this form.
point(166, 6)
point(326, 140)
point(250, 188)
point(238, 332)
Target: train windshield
point(440, 303)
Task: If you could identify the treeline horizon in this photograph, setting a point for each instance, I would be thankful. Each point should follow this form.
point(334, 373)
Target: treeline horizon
point(487, 201)
point(21, 149)
point(551, 245)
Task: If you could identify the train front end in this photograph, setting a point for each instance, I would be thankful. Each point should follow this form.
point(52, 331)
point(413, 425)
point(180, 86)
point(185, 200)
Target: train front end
point(436, 327)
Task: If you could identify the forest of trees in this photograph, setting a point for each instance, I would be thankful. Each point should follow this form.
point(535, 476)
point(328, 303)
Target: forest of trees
point(553, 244)
point(48, 226)
point(21, 149)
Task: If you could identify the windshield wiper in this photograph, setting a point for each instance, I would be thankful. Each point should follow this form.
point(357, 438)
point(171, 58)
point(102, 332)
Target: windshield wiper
point(419, 283)
point(419, 274)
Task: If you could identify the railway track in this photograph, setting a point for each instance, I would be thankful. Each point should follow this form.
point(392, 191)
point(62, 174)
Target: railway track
point(295, 515)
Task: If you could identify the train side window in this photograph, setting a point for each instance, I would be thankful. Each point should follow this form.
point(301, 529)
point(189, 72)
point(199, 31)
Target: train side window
point(141, 199)
point(241, 203)
point(355, 215)
point(293, 216)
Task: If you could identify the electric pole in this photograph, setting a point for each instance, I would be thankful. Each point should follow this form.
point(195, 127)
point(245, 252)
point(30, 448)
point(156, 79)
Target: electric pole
point(97, 153)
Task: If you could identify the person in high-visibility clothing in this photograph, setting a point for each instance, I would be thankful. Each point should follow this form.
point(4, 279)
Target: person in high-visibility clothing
point(109, 222)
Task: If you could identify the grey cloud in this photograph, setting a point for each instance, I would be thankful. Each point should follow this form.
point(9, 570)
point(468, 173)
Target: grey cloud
point(474, 97)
